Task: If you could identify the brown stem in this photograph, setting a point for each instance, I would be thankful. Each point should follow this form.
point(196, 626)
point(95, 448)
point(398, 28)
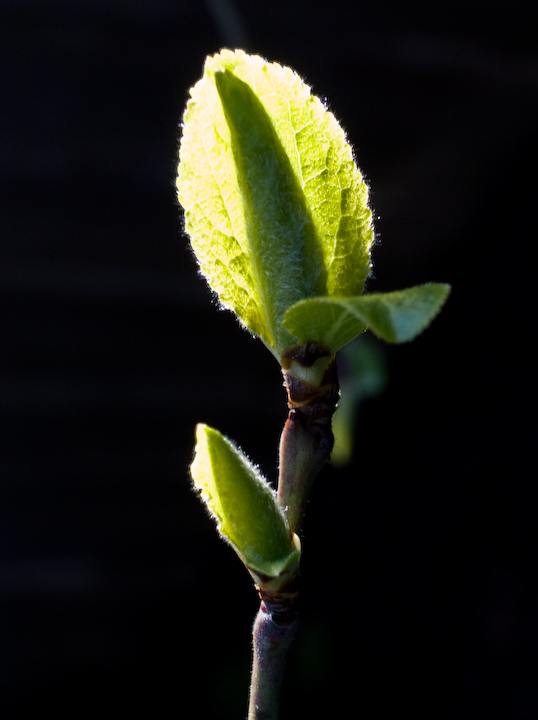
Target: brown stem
point(307, 439)
point(272, 635)
point(305, 446)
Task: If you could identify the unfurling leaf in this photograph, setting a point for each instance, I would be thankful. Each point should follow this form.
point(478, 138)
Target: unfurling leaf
point(243, 505)
point(275, 206)
point(395, 317)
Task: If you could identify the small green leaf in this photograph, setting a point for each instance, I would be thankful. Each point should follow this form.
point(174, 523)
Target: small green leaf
point(275, 206)
point(395, 317)
point(323, 321)
point(362, 373)
point(243, 504)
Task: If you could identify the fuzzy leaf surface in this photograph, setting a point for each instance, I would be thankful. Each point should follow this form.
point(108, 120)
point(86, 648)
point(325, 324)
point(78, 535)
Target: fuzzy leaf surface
point(395, 317)
point(275, 206)
point(242, 503)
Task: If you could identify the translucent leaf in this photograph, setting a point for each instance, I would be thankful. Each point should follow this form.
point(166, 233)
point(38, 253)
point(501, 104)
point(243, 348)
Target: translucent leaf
point(242, 504)
point(274, 203)
point(395, 317)
point(362, 373)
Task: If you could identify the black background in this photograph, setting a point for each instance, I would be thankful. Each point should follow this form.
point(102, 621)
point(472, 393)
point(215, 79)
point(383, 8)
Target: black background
point(419, 564)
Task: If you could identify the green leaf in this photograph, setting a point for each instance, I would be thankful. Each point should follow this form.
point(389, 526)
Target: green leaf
point(275, 206)
point(242, 504)
point(362, 373)
point(323, 321)
point(395, 316)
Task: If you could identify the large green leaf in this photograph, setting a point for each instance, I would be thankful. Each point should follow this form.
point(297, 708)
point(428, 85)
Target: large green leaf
point(395, 316)
point(243, 504)
point(274, 203)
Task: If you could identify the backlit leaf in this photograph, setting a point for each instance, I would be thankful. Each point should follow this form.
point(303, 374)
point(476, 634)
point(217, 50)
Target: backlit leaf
point(395, 317)
point(243, 504)
point(275, 206)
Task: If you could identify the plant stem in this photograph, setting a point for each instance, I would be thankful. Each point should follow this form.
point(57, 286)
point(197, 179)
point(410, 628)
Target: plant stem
point(306, 443)
point(272, 635)
point(307, 439)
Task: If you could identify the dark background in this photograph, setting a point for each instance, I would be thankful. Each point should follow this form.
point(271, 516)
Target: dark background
point(116, 595)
